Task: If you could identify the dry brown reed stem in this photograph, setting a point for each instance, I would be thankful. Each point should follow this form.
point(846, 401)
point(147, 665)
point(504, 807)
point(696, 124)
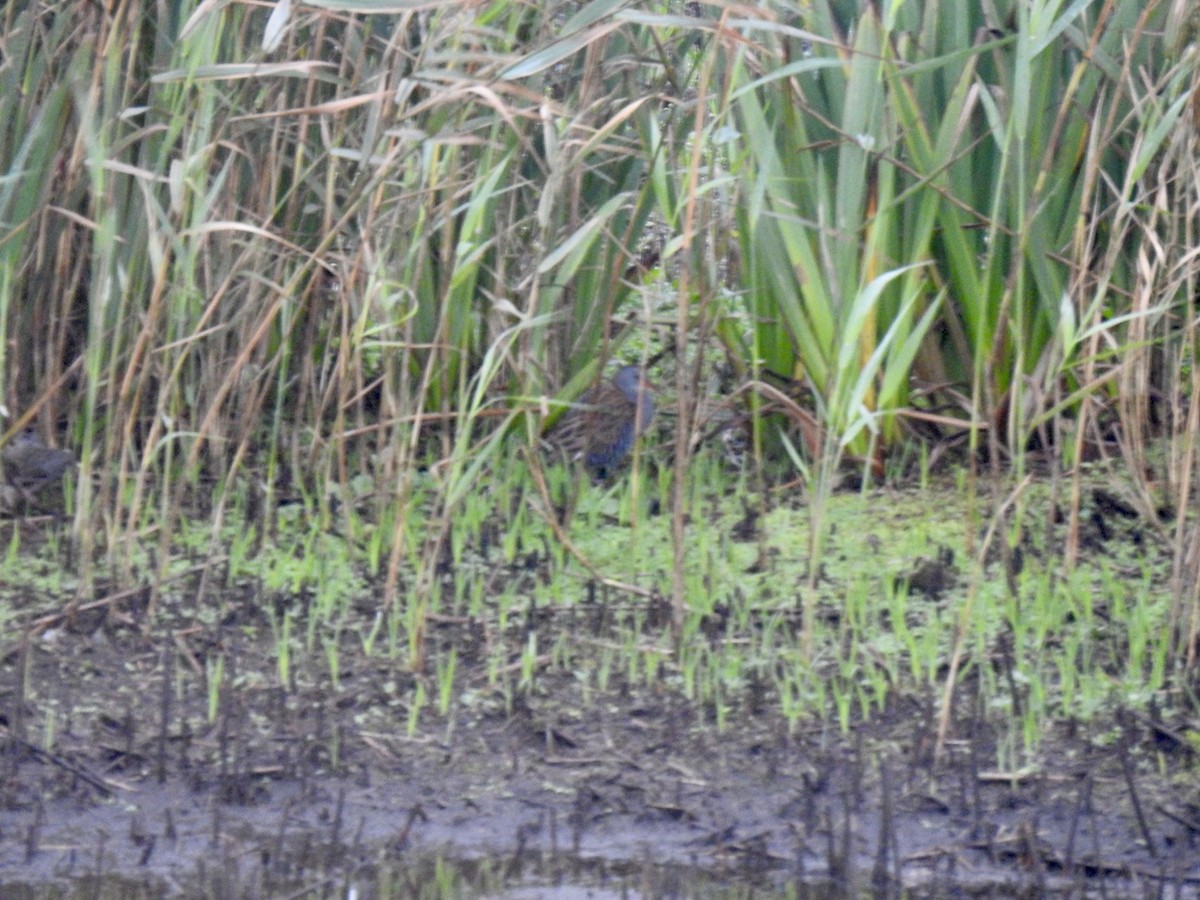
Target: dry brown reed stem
point(963, 621)
point(561, 536)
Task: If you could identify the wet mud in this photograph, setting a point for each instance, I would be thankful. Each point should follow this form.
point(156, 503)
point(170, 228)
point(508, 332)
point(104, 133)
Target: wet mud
point(190, 756)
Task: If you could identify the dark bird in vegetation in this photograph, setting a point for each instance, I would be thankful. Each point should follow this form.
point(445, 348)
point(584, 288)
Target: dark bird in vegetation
point(29, 465)
point(601, 428)
point(932, 576)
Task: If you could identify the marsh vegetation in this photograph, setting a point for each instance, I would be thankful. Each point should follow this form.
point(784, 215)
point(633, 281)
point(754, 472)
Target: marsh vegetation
point(899, 590)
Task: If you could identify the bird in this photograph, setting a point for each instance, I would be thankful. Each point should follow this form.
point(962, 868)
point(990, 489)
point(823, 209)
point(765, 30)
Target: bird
point(601, 428)
point(29, 465)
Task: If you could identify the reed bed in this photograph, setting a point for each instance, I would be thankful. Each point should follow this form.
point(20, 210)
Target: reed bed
point(338, 262)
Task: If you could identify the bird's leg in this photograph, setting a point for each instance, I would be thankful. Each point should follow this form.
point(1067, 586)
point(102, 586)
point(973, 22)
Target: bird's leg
point(24, 492)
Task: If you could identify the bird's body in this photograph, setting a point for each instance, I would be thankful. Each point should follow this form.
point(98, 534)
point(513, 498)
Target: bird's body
point(29, 465)
point(601, 429)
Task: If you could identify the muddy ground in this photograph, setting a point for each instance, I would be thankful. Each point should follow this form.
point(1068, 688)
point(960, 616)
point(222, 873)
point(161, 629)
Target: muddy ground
point(298, 790)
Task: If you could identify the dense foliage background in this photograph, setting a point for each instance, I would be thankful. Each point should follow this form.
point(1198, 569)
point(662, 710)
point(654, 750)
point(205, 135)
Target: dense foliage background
point(253, 252)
